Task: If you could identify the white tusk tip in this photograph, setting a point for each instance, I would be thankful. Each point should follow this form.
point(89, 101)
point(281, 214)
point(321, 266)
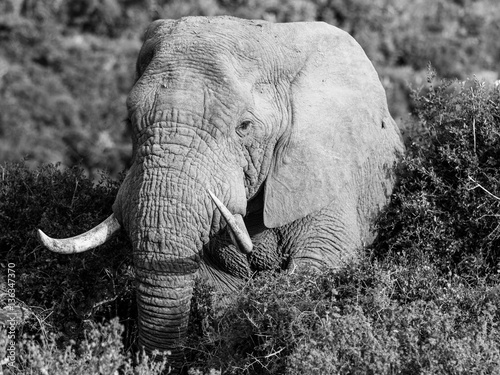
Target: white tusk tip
point(237, 229)
point(43, 238)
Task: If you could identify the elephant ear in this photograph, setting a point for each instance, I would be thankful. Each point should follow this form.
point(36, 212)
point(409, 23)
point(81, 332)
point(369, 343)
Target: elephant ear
point(337, 126)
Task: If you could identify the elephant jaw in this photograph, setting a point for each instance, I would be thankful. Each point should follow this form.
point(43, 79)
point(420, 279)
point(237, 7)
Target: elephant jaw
point(83, 242)
point(237, 229)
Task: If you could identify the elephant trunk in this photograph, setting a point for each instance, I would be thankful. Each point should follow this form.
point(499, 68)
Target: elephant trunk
point(167, 248)
point(163, 299)
point(165, 209)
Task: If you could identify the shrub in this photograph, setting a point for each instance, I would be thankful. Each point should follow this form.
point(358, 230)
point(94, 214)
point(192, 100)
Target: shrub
point(63, 294)
point(63, 96)
point(357, 321)
point(447, 203)
point(100, 352)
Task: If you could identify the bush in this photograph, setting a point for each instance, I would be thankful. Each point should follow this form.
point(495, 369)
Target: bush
point(447, 203)
point(63, 96)
point(100, 352)
point(58, 293)
point(357, 321)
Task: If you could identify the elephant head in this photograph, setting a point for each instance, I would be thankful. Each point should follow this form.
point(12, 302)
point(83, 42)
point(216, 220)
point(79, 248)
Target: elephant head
point(231, 117)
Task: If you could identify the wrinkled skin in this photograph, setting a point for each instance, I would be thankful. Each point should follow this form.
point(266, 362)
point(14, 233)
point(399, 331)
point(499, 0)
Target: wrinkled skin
point(287, 124)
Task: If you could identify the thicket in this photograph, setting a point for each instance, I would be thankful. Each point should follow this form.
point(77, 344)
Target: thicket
point(450, 177)
point(425, 298)
point(67, 66)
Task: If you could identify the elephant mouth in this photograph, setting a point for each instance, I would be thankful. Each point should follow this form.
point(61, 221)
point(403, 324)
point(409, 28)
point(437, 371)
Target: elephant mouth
point(106, 229)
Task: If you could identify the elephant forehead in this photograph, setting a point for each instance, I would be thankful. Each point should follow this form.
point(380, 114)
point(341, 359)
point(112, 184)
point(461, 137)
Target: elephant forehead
point(217, 39)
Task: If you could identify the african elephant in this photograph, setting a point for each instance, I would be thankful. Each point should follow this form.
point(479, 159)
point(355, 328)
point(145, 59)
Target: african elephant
point(255, 146)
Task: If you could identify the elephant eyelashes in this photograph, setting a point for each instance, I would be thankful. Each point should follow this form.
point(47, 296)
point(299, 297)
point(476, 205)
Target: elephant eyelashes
point(244, 128)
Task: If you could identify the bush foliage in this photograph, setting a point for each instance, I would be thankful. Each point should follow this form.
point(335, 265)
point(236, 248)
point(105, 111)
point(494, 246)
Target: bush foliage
point(423, 299)
point(370, 318)
point(446, 208)
point(99, 352)
point(61, 295)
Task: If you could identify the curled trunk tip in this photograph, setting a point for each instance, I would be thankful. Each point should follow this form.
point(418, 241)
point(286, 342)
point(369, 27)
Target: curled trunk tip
point(83, 242)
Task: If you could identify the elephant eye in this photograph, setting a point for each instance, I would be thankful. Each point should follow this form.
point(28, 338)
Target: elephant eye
point(244, 128)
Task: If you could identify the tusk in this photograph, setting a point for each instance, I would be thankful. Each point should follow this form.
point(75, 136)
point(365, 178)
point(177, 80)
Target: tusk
point(83, 242)
point(238, 231)
point(240, 235)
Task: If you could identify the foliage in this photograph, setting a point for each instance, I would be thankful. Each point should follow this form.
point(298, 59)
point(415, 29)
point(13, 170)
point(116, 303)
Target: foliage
point(447, 205)
point(57, 293)
point(368, 318)
point(63, 96)
point(100, 352)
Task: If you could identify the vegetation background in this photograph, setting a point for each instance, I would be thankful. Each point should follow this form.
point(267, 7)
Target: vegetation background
point(67, 66)
point(424, 299)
